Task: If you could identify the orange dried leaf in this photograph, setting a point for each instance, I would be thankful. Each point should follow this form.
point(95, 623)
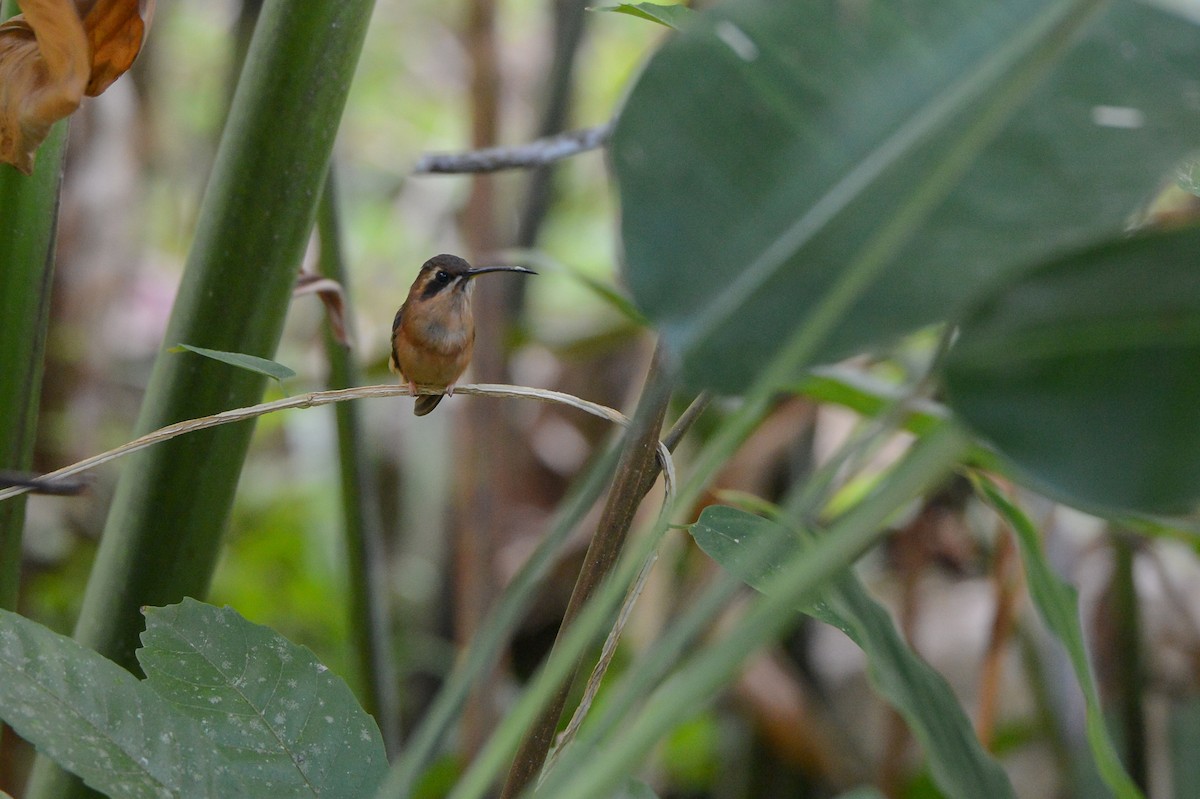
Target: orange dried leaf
point(44, 67)
point(54, 53)
point(115, 31)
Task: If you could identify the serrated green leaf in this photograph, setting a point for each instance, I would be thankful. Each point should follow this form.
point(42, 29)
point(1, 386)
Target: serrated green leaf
point(1058, 605)
point(790, 167)
point(959, 765)
point(251, 363)
point(1084, 374)
point(100, 722)
point(673, 16)
point(282, 720)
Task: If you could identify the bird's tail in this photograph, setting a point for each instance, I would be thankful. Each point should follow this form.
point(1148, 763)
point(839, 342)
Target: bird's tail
point(426, 403)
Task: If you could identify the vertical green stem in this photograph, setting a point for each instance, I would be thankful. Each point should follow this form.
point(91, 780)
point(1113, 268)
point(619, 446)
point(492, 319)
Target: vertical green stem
point(172, 502)
point(28, 220)
point(370, 616)
point(1129, 667)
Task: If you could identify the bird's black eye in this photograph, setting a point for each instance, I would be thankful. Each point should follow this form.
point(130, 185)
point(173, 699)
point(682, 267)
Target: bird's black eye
point(442, 276)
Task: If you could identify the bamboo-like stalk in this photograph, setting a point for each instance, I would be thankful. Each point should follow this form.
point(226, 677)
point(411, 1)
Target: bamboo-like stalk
point(28, 220)
point(171, 504)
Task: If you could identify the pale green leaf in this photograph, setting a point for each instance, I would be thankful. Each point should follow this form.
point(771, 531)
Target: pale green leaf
point(251, 363)
point(1058, 605)
point(673, 16)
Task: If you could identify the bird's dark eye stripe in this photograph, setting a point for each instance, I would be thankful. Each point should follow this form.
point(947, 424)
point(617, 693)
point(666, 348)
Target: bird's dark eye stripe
point(441, 281)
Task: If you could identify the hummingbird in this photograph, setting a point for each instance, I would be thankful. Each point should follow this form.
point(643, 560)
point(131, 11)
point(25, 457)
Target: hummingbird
point(433, 334)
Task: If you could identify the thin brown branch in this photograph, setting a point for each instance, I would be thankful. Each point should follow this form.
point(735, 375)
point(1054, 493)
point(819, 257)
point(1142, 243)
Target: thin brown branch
point(526, 156)
point(635, 474)
point(317, 398)
point(609, 650)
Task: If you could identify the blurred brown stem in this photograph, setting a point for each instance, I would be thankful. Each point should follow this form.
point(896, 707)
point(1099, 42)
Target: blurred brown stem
point(480, 479)
point(1006, 584)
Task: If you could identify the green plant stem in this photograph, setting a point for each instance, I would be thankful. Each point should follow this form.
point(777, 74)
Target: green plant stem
point(28, 223)
point(28, 220)
point(636, 471)
point(370, 608)
point(1130, 676)
point(172, 502)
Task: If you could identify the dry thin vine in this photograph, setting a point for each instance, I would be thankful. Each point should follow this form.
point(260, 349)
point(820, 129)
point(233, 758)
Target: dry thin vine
point(316, 398)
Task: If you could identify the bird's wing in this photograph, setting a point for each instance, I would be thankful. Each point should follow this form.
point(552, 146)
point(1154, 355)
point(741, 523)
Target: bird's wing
point(393, 361)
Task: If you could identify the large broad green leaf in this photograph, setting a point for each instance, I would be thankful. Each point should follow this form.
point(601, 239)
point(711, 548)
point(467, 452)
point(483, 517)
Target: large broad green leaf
point(275, 714)
point(882, 163)
point(1058, 605)
point(97, 720)
point(1086, 374)
point(959, 765)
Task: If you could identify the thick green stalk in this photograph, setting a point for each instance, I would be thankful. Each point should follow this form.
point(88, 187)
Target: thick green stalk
point(28, 221)
point(28, 217)
point(370, 612)
point(172, 502)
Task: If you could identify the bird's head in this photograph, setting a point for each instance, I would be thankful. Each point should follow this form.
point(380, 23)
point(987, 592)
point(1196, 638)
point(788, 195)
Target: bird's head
point(443, 277)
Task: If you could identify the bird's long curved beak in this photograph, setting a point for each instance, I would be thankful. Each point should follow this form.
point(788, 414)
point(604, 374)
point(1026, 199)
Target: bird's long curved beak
point(480, 270)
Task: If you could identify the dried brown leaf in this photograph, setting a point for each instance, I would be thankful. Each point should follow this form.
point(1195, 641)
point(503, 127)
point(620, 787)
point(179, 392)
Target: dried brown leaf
point(44, 67)
point(51, 55)
point(115, 31)
point(333, 296)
